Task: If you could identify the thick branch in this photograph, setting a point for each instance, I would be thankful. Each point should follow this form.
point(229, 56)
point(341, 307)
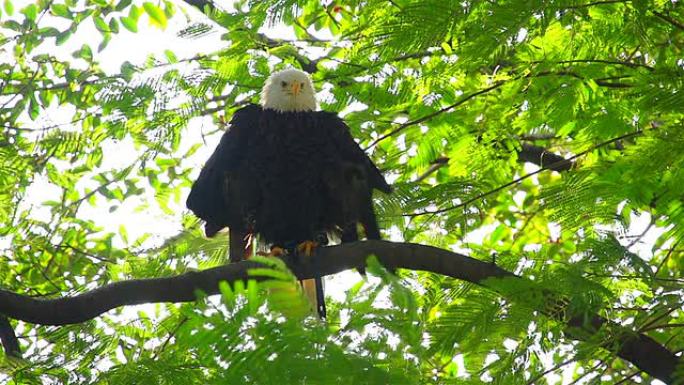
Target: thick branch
point(543, 158)
point(9, 340)
point(528, 153)
point(639, 349)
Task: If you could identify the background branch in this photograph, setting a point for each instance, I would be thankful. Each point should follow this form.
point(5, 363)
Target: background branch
point(528, 153)
point(543, 158)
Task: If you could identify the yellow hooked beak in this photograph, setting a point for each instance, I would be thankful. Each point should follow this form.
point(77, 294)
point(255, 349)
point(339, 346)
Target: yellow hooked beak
point(296, 88)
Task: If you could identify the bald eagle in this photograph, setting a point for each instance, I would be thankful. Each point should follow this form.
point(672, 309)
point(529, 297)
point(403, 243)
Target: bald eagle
point(288, 173)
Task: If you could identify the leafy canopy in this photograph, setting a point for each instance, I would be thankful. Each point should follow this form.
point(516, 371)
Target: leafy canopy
point(445, 95)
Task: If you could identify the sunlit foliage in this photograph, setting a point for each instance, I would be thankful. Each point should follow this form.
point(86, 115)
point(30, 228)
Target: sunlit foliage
point(444, 95)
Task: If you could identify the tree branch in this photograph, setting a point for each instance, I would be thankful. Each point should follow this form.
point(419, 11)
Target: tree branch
point(434, 166)
point(604, 2)
point(670, 20)
point(207, 7)
point(520, 179)
point(9, 340)
point(543, 158)
point(598, 61)
point(528, 153)
point(639, 349)
point(427, 117)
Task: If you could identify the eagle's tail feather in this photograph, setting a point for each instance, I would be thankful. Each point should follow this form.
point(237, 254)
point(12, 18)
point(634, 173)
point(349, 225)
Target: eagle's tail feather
point(313, 289)
point(320, 298)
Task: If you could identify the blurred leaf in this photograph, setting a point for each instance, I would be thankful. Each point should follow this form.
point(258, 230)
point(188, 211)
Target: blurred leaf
point(61, 10)
point(130, 24)
point(9, 7)
point(155, 14)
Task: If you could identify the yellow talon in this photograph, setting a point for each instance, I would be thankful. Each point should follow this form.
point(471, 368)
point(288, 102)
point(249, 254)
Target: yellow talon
point(307, 247)
point(277, 251)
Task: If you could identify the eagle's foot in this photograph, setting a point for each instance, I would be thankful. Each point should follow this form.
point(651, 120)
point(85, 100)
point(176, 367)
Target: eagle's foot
point(307, 248)
point(276, 251)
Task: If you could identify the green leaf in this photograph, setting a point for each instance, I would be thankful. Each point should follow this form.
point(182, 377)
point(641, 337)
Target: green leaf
point(155, 14)
point(192, 150)
point(134, 13)
point(49, 31)
point(169, 9)
point(105, 41)
point(34, 109)
point(84, 53)
point(447, 48)
point(283, 51)
point(9, 7)
point(13, 25)
point(170, 56)
point(45, 98)
point(130, 24)
point(123, 4)
point(100, 24)
point(61, 10)
point(31, 12)
point(128, 70)
point(62, 37)
point(113, 25)
point(123, 233)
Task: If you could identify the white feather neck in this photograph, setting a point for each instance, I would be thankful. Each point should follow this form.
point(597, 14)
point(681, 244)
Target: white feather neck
point(275, 97)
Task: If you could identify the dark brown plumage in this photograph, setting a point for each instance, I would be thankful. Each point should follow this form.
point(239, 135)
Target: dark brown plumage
point(287, 176)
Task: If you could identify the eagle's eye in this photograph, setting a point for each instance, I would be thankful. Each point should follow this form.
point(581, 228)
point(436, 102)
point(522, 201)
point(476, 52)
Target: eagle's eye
point(302, 84)
point(283, 83)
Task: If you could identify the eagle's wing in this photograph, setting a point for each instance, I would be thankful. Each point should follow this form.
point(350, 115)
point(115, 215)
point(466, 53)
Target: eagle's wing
point(215, 195)
point(361, 176)
point(341, 135)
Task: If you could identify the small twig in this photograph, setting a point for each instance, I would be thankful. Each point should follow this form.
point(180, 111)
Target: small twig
point(640, 236)
point(650, 323)
point(588, 372)
point(664, 326)
point(603, 61)
point(436, 165)
point(599, 82)
point(622, 381)
point(669, 19)
point(553, 369)
point(527, 222)
point(84, 253)
point(427, 117)
point(603, 2)
point(172, 334)
point(667, 256)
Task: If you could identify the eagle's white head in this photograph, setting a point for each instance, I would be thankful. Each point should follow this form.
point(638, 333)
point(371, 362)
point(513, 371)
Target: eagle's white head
point(289, 90)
